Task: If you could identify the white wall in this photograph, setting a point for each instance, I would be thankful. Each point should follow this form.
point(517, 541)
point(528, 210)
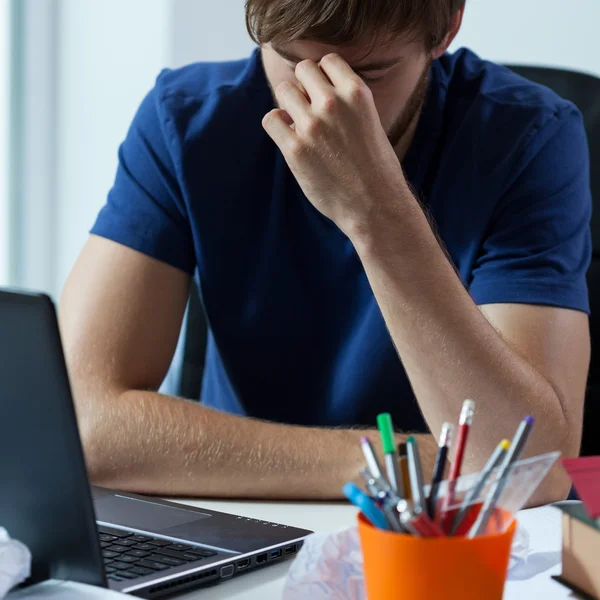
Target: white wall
point(109, 56)
point(542, 32)
point(4, 139)
point(209, 30)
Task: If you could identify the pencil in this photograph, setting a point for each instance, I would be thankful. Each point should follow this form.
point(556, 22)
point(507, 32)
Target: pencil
point(472, 495)
point(516, 447)
point(464, 425)
point(404, 476)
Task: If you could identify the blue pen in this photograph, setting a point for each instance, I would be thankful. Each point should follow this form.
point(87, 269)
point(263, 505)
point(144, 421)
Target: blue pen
point(369, 509)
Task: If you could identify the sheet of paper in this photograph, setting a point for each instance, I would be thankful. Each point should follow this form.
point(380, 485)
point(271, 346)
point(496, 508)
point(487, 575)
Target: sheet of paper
point(65, 590)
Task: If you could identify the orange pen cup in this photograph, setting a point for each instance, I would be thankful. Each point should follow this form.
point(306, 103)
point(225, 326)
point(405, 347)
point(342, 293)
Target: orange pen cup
point(398, 565)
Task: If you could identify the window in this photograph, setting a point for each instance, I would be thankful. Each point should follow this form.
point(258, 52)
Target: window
point(5, 26)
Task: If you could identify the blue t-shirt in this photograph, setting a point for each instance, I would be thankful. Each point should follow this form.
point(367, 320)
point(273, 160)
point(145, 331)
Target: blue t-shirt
point(296, 334)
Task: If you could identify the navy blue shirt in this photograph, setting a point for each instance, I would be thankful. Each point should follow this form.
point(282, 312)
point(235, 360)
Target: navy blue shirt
point(296, 334)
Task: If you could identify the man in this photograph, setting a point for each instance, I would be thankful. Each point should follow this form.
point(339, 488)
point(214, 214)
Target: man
point(376, 226)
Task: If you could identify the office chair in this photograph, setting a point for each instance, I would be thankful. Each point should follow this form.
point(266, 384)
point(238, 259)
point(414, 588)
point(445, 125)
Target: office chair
point(584, 91)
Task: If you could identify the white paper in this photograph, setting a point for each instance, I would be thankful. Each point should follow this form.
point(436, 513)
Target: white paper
point(65, 590)
point(15, 562)
point(330, 566)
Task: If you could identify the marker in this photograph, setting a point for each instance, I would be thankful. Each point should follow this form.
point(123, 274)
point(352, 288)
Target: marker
point(369, 509)
point(386, 429)
point(502, 477)
point(403, 462)
point(440, 465)
point(464, 425)
point(416, 475)
point(473, 493)
point(372, 462)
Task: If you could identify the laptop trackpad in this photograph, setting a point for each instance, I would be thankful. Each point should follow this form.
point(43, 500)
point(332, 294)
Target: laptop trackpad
point(144, 515)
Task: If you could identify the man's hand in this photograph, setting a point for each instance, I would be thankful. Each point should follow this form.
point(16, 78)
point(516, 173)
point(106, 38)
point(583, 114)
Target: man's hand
point(333, 141)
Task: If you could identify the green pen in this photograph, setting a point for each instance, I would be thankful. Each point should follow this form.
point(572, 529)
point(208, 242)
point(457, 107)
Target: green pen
point(386, 429)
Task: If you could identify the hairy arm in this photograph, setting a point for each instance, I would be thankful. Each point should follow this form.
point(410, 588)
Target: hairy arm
point(120, 316)
point(512, 359)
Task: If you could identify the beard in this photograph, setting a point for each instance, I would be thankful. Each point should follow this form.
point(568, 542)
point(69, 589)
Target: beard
point(412, 109)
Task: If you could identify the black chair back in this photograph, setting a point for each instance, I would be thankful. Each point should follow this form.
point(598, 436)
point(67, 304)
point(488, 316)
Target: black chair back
point(584, 91)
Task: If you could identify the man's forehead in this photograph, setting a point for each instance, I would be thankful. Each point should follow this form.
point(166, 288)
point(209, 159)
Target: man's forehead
point(358, 56)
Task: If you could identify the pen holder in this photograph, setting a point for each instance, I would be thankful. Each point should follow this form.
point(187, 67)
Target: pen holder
point(398, 565)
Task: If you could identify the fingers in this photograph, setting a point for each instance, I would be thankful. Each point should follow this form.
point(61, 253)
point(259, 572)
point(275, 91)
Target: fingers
point(341, 75)
point(277, 124)
point(316, 84)
point(293, 101)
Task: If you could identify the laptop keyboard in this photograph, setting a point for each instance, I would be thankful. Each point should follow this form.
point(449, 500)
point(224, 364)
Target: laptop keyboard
point(128, 555)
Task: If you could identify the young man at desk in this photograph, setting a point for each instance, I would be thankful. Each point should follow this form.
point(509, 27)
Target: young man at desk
point(376, 225)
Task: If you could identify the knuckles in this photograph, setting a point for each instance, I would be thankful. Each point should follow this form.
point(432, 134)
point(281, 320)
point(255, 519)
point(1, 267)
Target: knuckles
point(295, 148)
point(313, 127)
point(304, 65)
point(282, 88)
point(358, 91)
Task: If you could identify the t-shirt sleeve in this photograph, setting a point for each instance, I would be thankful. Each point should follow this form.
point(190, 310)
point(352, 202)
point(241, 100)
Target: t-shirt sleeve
point(538, 246)
point(145, 209)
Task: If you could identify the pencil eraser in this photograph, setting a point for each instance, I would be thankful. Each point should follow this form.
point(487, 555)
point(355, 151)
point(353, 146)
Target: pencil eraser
point(529, 420)
point(365, 440)
point(410, 440)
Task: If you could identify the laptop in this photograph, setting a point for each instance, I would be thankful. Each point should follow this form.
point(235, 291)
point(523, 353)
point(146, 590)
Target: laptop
point(135, 544)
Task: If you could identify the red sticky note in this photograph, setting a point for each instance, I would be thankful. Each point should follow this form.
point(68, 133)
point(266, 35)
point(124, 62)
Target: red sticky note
point(585, 475)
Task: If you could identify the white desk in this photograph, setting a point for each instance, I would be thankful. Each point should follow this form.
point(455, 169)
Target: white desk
point(543, 525)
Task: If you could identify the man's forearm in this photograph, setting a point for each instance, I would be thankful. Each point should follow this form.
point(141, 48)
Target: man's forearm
point(149, 443)
point(449, 349)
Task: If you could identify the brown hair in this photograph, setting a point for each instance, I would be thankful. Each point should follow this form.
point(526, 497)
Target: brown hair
point(343, 22)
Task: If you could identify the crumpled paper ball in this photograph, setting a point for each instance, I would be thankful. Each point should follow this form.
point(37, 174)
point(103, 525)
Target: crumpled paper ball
point(330, 566)
point(15, 563)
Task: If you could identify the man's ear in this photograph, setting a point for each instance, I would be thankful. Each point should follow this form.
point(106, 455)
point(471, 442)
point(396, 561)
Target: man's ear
point(455, 24)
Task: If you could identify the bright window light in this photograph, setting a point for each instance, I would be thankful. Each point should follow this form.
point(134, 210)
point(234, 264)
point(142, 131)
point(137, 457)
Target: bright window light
point(5, 22)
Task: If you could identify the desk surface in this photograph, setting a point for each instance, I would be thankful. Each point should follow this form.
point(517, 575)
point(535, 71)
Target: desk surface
point(530, 581)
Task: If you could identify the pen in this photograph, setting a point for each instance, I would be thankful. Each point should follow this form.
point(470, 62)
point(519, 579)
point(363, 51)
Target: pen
point(472, 495)
point(464, 425)
point(405, 517)
point(386, 429)
point(370, 482)
point(417, 522)
point(502, 477)
point(385, 500)
point(440, 465)
point(415, 474)
point(367, 506)
point(372, 462)
point(403, 463)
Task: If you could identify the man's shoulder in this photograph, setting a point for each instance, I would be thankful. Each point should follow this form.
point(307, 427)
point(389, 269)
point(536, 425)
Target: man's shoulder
point(196, 95)
point(504, 116)
point(491, 95)
point(202, 79)
point(470, 78)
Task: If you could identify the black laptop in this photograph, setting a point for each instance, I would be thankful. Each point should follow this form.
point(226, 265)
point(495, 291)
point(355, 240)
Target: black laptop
point(134, 544)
